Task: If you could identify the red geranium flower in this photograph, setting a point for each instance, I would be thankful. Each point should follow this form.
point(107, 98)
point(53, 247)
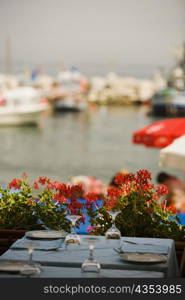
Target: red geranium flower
point(62, 199)
point(114, 192)
point(76, 204)
point(59, 198)
point(143, 176)
point(172, 209)
point(76, 191)
point(62, 188)
point(15, 184)
point(126, 188)
point(51, 185)
point(43, 180)
point(35, 185)
point(91, 197)
point(162, 190)
point(123, 178)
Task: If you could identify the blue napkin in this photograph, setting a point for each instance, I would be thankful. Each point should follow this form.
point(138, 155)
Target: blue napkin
point(142, 248)
point(41, 244)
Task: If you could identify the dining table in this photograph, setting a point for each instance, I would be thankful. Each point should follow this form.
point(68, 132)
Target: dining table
point(65, 260)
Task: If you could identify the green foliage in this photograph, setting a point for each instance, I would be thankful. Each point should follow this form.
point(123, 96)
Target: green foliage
point(142, 213)
point(28, 207)
point(138, 223)
point(51, 214)
point(17, 209)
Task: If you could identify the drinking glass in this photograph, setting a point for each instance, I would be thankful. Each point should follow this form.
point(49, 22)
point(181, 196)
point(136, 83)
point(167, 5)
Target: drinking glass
point(72, 237)
point(113, 232)
point(30, 267)
point(91, 264)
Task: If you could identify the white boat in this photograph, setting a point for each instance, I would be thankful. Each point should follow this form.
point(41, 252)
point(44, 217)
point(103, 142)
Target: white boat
point(69, 93)
point(21, 106)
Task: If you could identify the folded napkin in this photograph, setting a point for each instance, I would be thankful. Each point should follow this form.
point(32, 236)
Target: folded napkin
point(41, 244)
point(143, 248)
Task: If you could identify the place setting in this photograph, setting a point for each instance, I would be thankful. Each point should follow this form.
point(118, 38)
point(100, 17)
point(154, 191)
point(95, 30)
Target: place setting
point(46, 240)
point(138, 252)
point(27, 268)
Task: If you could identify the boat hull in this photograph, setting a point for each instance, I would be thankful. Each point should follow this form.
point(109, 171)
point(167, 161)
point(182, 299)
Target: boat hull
point(29, 115)
point(164, 105)
point(69, 105)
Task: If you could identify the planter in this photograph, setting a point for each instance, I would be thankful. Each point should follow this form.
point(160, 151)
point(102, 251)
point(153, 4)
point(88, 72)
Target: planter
point(8, 237)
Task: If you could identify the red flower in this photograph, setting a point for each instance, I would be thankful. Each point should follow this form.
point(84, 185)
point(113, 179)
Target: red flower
point(15, 184)
point(120, 179)
point(61, 188)
point(57, 185)
point(65, 190)
point(35, 185)
point(76, 191)
point(110, 203)
point(91, 197)
point(114, 192)
point(126, 188)
point(162, 190)
point(51, 185)
point(43, 180)
point(62, 199)
point(172, 209)
point(143, 187)
point(124, 178)
point(76, 204)
point(74, 209)
point(56, 196)
point(143, 176)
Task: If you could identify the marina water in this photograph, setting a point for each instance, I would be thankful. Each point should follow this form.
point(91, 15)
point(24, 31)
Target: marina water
point(96, 142)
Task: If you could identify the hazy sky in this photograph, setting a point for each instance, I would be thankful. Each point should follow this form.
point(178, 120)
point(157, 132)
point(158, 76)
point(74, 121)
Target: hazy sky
point(128, 32)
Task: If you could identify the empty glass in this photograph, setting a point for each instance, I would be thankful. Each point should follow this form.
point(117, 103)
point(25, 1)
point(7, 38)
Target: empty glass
point(113, 232)
point(91, 264)
point(72, 238)
point(30, 267)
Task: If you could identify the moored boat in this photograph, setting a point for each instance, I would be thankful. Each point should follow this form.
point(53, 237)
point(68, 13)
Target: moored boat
point(70, 104)
point(168, 102)
point(21, 106)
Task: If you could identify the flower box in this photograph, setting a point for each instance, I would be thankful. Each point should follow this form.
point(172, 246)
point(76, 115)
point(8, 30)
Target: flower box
point(8, 237)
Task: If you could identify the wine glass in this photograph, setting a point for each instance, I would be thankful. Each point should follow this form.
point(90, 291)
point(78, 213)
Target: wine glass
point(91, 264)
point(72, 237)
point(30, 267)
point(113, 232)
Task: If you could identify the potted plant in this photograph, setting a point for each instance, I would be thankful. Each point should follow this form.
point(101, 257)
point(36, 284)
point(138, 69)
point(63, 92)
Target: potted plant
point(54, 200)
point(142, 206)
point(16, 206)
point(43, 204)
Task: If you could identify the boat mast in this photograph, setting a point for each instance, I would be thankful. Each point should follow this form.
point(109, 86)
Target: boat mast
point(183, 59)
point(8, 62)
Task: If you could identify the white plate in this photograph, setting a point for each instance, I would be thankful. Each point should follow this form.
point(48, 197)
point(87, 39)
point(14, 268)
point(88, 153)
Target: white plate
point(13, 266)
point(45, 234)
point(143, 257)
